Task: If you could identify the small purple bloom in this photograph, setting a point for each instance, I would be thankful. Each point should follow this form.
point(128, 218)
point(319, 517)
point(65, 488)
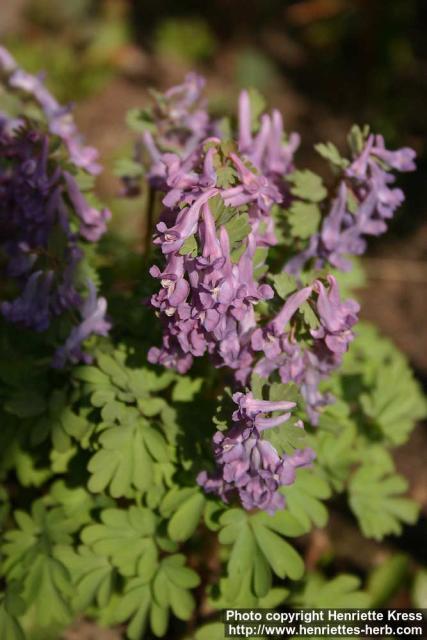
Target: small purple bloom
point(93, 221)
point(59, 118)
point(93, 322)
point(249, 465)
point(368, 183)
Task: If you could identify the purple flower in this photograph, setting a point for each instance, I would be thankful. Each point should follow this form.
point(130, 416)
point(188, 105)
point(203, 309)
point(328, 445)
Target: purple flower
point(39, 236)
point(336, 318)
point(253, 188)
point(180, 123)
point(402, 160)
point(59, 118)
point(307, 366)
point(172, 238)
point(368, 184)
point(93, 322)
point(206, 302)
point(32, 308)
point(266, 150)
point(249, 465)
point(93, 221)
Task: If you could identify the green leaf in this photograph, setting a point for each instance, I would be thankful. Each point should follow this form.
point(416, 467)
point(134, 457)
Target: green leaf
point(140, 120)
point(307, 186)
point(186, 389)
point(134, 606)
point(125, 167)
point(92, 576)
point(25, 404)
point(285, 391)
point(178, 574)
point(341, 592)
point(226, 176)
point(47, 587)
point(290, 435)
point(4, 506)
point(393, 401)
point(59, 422)
point(41, 530)
point(238, 228)
point(151, 601)
point(304, 219)
point(93, 375)
point(258, 548)
point(11, 606)
point(356, 138)
point(212, 631)
point(310, 318)
point(419, 590)
point(114, 369)
point(186, 518)
point(284, 284)
point(76, 502)
point(127, 538)
point(282, 522)
point(375, 499)
point(220, 211)
point(304, 498)
point(258, 105)
point(387, 579)
point(127, 458)
point(274, 598)
point(336, 453)
point(287, 437)
point(280, 555)
point(330, 152)
point(189, 247)
point(259, 262)
point(27, 468)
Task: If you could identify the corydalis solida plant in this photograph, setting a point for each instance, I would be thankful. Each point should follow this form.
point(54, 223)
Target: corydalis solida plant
point(218, 223)
point(45, 219)
point(110, 452)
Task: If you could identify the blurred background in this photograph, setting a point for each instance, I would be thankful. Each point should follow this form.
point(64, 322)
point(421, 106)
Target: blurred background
point(325, 64)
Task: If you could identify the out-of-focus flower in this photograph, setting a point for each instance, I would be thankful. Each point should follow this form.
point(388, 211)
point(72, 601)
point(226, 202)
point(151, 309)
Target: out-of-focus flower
point(267, 150)
point(93, 322)
point(364, 202)
point(43, 218)
point(59, 118)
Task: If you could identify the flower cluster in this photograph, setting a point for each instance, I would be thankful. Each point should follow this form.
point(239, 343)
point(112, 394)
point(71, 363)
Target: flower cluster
point(60, 120)
point(249, 465)
point(215, 229)
point(207, 301)
point(208, 289)
point(207, 297)
point(176, 124)
point(45, 219)
point(365, 200)
point(267, 149)
point(321, 354)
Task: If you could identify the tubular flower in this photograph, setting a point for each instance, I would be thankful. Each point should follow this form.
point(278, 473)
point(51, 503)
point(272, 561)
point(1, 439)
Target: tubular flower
point(247, 464)
point(364, 202)
point(207, 300)
point(267, 150)
point(308, 365)
point(207, 297)
point(43, 220)
point(59, 118)
point(93, 322)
